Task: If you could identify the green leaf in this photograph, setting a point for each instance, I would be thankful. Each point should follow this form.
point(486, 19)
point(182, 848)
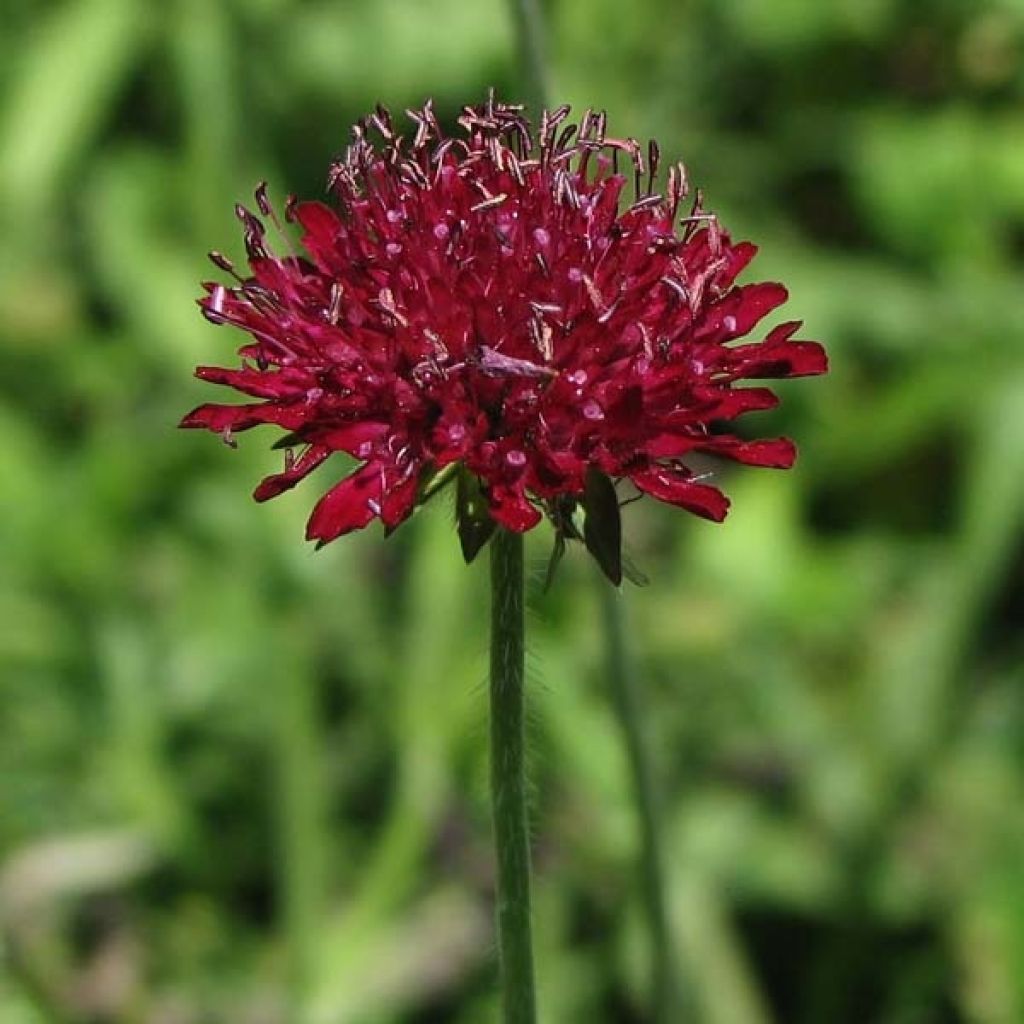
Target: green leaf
point(635, 575)
point(474, 517)
point(434, 481)
point(602, 528)
point(557, 552)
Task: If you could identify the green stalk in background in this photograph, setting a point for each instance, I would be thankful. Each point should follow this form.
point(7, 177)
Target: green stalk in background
point(622, 684)
point(530, 34)
point(508, 778)
point(301, 821)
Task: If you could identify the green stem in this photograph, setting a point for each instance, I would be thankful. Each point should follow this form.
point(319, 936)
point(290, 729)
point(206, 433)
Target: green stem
point(508, 778)
point(627, 705)
point(300, 824)
point(530, 34)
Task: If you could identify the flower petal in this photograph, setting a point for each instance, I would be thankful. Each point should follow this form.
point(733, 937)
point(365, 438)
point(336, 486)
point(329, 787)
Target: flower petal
point(511, 508)
point(716, 403)
point(775, 453)
point(737, 257)
point(284, 383)
point(399, 498)
point(355, 439)
point(321, 226)
point(219, 418)
point(319, 222)
point(677, 488)
point(349, 505)
point(741, 309)
point(777, 356)
point(278, 483)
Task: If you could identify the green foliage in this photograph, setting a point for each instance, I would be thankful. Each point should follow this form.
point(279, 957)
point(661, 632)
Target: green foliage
point(245, 782)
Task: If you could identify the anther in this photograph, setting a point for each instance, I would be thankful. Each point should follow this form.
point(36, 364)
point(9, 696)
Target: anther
point(219, 260)
point(563, 140)
point(334, 309)
point(381, 120)
point(646, 203)
point(488, 204)
point(678, 288)
point(653, 161)
point(262, 202)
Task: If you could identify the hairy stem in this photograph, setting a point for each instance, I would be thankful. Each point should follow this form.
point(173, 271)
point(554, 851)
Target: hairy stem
point(508, 778)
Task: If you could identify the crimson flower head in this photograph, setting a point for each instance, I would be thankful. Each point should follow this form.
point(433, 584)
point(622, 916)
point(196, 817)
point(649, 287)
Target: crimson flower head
point(517, 308)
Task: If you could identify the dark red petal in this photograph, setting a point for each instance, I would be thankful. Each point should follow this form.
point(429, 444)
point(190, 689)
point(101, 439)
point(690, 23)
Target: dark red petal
point(321, 227)
point(717, 403)
point(510, 508)
point(756, 302)
point(347, 506)
point(399, 499)
point(668, 445)
point(678, 489)
point(219, 418)
point(283, 276)
point(783, 332)
point(737, 257)
point(286, 383)
point(319, 221)
point(775, 453)
point(742, 309)
point(278, 483)
point(777, 356)
point(353, 438)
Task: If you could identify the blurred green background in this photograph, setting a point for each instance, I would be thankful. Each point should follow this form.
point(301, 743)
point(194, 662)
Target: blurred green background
point(241, 782)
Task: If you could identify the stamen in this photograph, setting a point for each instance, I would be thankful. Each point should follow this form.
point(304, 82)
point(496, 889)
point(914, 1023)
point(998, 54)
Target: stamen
point(221, 262)
point(412, 171)
point(516, 168)
point(214, 309)
point(541, 334)
point(253, 234)
point(381, 120)
point(261, 199)
point(488, 204)
point(595, 296)
point(262, 298)
point(550, 122)
point(334, 309)
point(430, 117)
point(440, 349)
point(653, 160)
point(679, 288)
point(386, 301)
point(646, 203)
point(267, 209)
point(563, 140)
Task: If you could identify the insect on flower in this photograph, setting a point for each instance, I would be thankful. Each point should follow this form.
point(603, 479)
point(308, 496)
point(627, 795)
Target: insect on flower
point(493, 308)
